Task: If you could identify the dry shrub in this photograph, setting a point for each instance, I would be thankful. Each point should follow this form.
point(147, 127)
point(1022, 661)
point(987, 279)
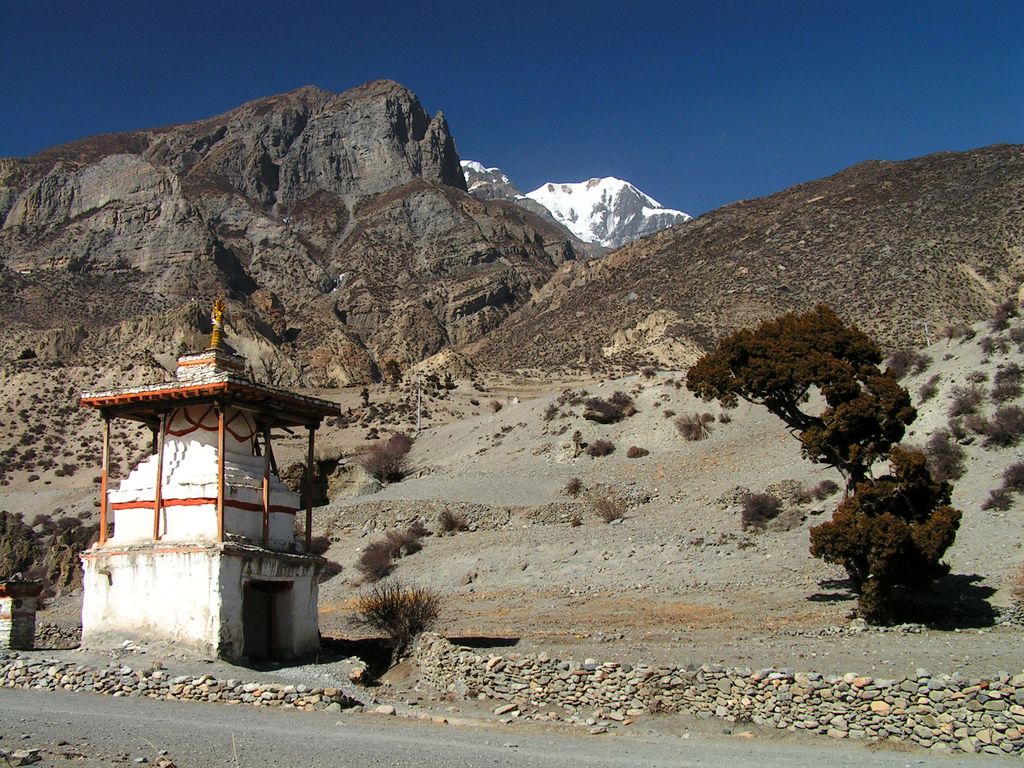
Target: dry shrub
point(957, 429)
point(1017, 337)
point(724, 418)
point(1005, 428)
point(574, 486)
point(1007, 383)
point(329, 570)
point(1013, 477)
point(387, 460)
point(401, 612)
point(906, 361)
point(945, 457)
point(929, 389)
point(375, 562)
point(1001, 317)
point(758, 510)
point(636, 452)
point(575, 521)
point(999, 499)
point(965, 400)
point(318, 545)
point(452, 522)
point(407, 542)
point(1013, 482)
point(824, 489)
point(1016, 586)
point(695, 426)
point(550, 412)
point(496, 405)
point(417, 528)
point(617, 407)
point(648, 371)
point(600, 447)
point(610, 508)
point(819, 492)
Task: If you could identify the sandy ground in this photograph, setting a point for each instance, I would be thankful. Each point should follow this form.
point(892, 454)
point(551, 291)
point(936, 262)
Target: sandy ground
point(677, 580)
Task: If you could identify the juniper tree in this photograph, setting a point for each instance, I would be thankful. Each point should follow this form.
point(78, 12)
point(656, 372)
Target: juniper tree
point(783, 361)
point(888, 532)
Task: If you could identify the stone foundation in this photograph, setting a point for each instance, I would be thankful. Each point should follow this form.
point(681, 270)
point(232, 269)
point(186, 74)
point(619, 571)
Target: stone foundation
point(200, 598)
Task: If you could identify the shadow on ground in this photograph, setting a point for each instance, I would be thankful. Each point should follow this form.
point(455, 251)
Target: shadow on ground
point(957, 601)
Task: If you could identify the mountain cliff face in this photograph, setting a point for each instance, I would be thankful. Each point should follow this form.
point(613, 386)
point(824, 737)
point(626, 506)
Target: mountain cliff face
point(606, 213)
point(337, 224)
point(899, 248)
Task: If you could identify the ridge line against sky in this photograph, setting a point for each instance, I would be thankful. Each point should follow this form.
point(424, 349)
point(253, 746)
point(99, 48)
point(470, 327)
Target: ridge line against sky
point(697, 104)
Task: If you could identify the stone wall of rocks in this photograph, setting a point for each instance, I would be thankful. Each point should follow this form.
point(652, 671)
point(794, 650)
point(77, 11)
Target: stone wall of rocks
point(52, 636)
point(941, 712)
point(29, 672)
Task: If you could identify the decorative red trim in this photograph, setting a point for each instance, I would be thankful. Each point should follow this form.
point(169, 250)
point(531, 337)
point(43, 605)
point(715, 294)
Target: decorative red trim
point(247, 506)
point(156, 550)
point(200, 424)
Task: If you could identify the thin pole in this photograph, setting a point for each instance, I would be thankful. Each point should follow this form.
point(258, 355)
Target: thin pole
point(309, 489)
point(220, 473)
point(419, 403)
point(103, 479)
point(158, 502)
point(266, 487)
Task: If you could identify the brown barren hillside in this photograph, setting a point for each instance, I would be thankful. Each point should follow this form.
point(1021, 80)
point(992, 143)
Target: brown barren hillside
point(900, 248)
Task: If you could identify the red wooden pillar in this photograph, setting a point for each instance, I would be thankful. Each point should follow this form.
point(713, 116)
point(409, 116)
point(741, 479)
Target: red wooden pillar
point(266, 487)
point(158, 502)
point(104, 474)
point(220, 472)
point(309, 489)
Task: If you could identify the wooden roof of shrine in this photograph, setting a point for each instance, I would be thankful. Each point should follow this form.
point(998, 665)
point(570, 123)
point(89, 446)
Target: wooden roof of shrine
point(145, 403)
point(214, 376)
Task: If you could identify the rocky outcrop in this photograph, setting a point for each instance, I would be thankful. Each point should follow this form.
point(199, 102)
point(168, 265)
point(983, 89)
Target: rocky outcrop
point(336, 224)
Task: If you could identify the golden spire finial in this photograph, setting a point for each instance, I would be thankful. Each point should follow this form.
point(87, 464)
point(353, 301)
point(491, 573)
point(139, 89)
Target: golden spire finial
point(217, 316)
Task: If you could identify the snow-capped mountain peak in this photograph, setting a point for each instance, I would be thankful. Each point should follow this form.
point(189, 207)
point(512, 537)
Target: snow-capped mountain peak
point(607, 211)
point(488, 183)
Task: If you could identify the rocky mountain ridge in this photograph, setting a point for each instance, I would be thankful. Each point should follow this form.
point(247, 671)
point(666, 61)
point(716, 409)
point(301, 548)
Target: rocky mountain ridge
point(339, 229)
point(337, 225)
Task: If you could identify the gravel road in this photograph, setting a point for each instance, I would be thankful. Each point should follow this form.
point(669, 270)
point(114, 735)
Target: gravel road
point(88, 731)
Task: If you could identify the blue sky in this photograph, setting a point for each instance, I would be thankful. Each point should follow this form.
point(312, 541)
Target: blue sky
point(697, 103)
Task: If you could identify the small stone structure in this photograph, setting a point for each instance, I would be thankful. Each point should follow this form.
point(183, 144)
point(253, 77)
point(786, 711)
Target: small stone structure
point(940, 712)
point(202, 551)
point(19, 601)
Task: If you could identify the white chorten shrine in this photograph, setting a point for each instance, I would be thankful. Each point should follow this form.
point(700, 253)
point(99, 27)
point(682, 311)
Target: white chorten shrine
point(197, 545)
